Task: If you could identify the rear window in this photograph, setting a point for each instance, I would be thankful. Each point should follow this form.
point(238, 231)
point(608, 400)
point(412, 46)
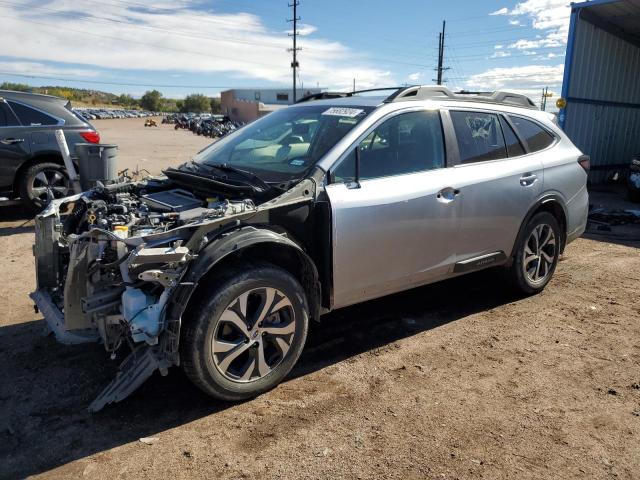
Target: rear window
point(30, 117)
point(537, 138)
point(479, 136)
point(7, 118)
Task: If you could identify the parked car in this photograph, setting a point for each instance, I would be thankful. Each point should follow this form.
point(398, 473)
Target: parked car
point(31, 165)
point(220, 265)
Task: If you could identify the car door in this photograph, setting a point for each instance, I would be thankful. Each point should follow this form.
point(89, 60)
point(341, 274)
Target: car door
point(498, 183)
point(393, 226)
point(14, 145)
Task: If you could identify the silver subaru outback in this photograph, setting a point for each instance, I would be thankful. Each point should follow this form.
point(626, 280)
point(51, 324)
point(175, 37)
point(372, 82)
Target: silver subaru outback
point(220, 264)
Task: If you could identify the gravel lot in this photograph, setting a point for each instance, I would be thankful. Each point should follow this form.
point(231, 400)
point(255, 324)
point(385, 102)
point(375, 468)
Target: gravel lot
point(455, 380)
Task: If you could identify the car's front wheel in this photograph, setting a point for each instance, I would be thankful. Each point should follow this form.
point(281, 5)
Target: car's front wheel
point(246, 333)
point(537, 253)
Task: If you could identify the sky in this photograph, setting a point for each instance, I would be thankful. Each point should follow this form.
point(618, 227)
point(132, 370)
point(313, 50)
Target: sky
point(206, 46)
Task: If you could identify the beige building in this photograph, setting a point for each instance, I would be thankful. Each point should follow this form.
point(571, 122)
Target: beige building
point(245, 105)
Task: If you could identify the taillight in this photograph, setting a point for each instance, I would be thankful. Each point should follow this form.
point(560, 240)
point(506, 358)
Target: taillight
point(585, 162)
point(91, 137)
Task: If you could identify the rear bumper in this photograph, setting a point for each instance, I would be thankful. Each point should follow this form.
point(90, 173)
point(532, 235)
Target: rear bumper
point(577, 214)
point(55, 321)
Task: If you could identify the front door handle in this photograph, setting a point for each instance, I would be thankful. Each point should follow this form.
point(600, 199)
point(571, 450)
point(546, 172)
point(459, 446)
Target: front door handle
point(11, 141)
point(447, 195)
point(528, 179)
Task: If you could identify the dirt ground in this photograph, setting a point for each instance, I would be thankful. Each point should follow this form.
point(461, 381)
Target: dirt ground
point(150, 148)
point(455, 380)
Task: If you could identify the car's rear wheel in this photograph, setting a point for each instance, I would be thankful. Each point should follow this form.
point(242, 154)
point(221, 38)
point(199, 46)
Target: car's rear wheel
point(43, 182)
point(246, 334)
point(537, 253)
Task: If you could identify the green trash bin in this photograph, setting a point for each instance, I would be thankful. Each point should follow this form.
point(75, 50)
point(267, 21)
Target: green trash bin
point(96, 163)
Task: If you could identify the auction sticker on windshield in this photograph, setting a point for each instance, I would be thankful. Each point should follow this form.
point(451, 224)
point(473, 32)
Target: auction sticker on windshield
point(343, 112)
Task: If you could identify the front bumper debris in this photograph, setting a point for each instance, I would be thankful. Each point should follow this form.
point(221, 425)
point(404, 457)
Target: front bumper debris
point(55, 321)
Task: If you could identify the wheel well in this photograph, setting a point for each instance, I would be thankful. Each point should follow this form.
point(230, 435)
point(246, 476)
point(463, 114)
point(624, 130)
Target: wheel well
point(286, 257)
point(554, 208)
point(32, 161)
point(551, 206)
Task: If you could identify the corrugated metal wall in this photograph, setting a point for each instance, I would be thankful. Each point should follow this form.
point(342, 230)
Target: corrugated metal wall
point(607, 68)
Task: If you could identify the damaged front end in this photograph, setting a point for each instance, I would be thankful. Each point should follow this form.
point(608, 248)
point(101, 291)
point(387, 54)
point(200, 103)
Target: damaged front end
point(109, 263)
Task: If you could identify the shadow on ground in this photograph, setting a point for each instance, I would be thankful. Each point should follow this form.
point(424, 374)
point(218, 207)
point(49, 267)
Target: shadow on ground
point(45, 387)
point(611, 226)
point(14, 220)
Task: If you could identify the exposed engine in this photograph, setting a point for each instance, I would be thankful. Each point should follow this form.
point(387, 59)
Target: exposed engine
point(120, 253)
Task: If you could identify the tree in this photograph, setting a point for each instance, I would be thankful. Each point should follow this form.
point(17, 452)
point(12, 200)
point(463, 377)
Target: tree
point(126, 100)
point(216, 107)
point(196, 103)
point(151, 100)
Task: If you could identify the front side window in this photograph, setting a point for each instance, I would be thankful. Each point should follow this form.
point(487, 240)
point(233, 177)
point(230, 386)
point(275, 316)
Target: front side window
point(479, 136)
point(537, 138)
point(286, 143)
point(7, 118)
point(31, 117)
point(407, 143)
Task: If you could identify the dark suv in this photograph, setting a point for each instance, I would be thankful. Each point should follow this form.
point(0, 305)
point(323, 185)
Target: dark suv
point(31, 165)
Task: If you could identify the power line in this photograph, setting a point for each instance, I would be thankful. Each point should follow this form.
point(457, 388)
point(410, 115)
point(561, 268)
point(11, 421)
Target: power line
point(101, 82)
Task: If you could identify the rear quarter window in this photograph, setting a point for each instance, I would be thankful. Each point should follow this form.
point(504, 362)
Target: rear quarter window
point(31, 117)
point(536, 137)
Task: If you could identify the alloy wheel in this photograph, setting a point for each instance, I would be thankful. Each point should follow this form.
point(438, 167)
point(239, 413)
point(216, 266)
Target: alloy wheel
point(539, 254)
point(49, 184)
point(253, 334)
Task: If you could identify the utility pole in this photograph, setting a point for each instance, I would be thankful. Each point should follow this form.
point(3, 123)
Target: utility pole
point(441, 68)
point(545, 95)
point(294, 34)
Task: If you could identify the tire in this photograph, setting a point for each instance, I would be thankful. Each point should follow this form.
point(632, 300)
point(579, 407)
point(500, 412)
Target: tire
point(238, 369)
point(532, 266)
point(42, 181)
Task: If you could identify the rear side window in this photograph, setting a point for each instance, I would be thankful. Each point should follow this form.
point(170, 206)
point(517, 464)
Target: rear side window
point(514, 147)
point(31, 117)
point(537, 138)
point(7, 118)
point(479, 136)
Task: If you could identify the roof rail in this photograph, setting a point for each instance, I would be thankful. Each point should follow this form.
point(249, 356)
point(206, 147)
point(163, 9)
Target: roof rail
point(425, 92)
point(325, 95)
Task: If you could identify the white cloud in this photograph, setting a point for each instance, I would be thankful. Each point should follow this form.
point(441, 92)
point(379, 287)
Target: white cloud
point(502, 11)
point(500, 54)
point(549, 16)
point(414, 77)
point(126, 36)
point(520, 79)
point(25, 68)
point(499, 47)
point(304, 29)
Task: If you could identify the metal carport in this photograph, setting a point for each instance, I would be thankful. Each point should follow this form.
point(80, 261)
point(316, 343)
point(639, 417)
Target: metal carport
point(601, 83)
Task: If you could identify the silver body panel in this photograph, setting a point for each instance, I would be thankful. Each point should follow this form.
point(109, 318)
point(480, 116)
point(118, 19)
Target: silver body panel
point(395, 233)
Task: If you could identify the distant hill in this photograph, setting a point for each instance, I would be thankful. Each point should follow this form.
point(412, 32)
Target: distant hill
point(151, 100)
point(80, 95)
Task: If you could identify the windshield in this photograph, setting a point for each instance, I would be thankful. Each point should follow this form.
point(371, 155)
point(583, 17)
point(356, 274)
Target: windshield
point(286, 143)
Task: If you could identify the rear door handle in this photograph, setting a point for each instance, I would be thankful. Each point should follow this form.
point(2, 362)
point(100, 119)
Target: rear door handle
point(447, 195)
point(11, 141)
point(528, 179)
